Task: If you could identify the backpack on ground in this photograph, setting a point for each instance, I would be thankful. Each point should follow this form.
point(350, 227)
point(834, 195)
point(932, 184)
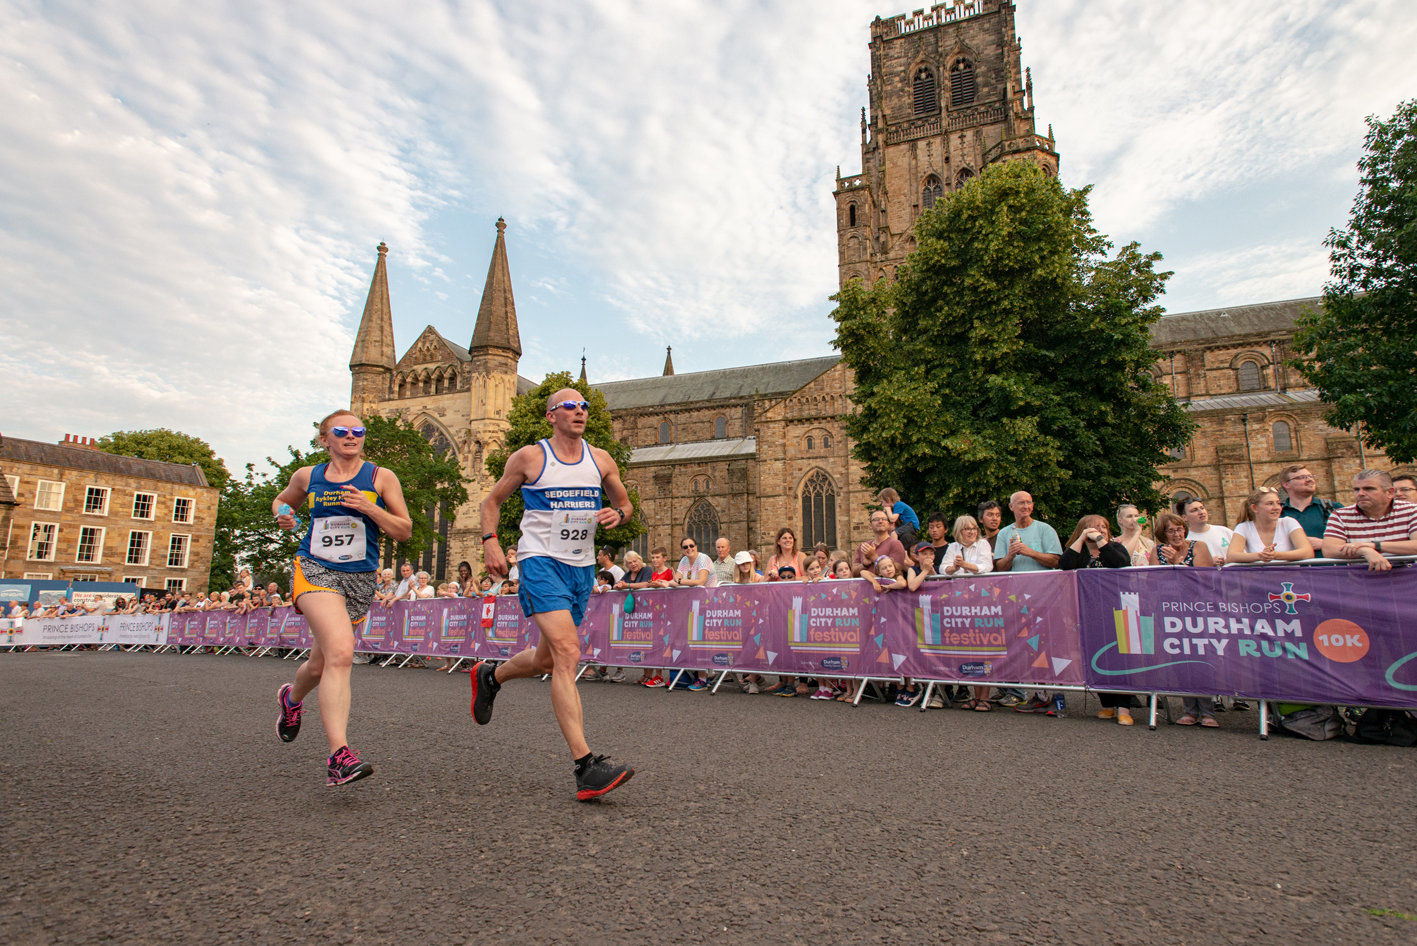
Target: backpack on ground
point(1311, 722)
point(1385, 727)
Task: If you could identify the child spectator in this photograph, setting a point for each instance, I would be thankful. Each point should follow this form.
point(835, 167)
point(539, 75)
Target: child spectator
point(661, 576)
point(841, 568)
point(903, 520)
point(814, 570)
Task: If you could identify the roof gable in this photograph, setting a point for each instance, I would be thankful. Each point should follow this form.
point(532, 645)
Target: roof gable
point(432, 348)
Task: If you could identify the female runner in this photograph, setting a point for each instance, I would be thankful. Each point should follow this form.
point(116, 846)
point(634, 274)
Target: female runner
point(351, 503)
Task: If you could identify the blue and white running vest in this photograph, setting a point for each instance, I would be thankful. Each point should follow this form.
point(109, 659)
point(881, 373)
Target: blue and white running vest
point(560, 504)
point(339, 538)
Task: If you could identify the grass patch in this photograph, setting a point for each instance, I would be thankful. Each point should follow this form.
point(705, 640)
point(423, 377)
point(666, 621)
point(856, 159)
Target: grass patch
point(1377, 911)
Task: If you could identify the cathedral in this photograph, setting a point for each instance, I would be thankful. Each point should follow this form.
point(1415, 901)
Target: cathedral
point(741, 452)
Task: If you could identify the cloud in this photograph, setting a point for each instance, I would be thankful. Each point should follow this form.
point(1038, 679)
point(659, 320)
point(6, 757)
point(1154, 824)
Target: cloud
point(193, 193)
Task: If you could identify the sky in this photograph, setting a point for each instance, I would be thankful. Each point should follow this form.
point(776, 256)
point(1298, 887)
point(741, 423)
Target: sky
point(192, 194)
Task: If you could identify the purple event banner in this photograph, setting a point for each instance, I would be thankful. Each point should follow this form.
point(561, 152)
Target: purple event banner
point(1316, 634)
point(1330, 634)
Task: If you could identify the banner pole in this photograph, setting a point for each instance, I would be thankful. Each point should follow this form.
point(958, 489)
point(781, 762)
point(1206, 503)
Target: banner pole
point(925, 700)
point(1152, 724)
point(860, 692)
point(1264, 720)
point(719, 682)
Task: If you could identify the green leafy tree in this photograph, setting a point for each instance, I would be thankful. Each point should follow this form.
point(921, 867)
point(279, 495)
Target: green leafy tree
point(528, 425)
point(171, 446)
point(1360, 351)
point(430, 480)
point(1013, 352)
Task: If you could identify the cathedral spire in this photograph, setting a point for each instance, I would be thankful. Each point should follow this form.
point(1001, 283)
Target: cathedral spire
point(668, 360)
point(583, 377)
point(497, 317)
point(374, 345)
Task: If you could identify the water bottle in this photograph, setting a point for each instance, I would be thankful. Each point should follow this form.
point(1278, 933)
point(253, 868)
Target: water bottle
point(1060, 705)
point(285, 510)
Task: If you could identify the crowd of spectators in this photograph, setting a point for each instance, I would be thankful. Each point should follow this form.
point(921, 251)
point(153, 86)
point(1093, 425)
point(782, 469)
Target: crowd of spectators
point(1272, 527)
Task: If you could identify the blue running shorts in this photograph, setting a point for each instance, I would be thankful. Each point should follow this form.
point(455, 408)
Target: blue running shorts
point(549, 585)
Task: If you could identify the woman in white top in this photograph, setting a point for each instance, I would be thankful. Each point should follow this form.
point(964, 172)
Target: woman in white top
point(424, 589)
point(1268, 536)
point(969, 553)
point(1138, 546)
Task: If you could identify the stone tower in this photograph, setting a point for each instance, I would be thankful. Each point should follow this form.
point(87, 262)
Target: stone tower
point(948, 96)
point(371, 364)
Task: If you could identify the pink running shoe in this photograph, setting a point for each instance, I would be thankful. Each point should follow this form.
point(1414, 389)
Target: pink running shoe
point(345, 767)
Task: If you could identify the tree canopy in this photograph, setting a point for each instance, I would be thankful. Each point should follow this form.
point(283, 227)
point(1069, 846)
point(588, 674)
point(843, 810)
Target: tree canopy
point(528, 425)
point(169, 446)
point(429, 481)
point(1012, 352)
point(1360, 351)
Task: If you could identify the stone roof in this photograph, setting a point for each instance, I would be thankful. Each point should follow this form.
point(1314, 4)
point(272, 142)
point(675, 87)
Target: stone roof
point(779, 378)
point(1254, 399)
point(497, 316)
point(87, 458)
point(1267, 318)
point(698, 450)
point(374, 345)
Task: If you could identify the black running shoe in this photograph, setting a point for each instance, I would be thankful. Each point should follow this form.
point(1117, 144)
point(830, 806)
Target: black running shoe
point(599, 778)
point(484, 691)
point(345, 767)
point(288, 726)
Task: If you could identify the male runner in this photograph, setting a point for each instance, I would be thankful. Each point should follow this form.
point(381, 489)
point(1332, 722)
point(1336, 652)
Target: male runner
point(560, 479)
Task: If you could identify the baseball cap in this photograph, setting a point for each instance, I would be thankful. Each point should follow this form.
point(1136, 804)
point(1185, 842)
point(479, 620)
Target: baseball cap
point(742, 558)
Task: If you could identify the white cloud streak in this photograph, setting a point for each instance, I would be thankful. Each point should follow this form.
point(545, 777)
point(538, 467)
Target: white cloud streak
point(192, 192)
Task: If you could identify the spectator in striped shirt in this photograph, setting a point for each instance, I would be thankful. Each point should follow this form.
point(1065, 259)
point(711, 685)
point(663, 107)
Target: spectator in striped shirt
point(1377, 522)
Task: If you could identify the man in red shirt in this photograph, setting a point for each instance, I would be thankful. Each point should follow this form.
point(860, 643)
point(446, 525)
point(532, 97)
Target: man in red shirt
point(1377, 523)
point(881, 543)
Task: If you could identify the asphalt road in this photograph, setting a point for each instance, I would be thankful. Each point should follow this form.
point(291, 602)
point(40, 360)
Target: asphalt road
point(148, 800)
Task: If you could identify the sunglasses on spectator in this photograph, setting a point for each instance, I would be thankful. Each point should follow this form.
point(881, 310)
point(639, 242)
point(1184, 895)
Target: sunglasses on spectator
point(688, 545)
point(572, 405)
point(342, 432)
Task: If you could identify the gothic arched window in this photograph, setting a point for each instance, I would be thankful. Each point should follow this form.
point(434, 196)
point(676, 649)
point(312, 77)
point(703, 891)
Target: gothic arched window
point(1283, 437)
point(924, 90)
point(640, 543)
point(818, 511)
point(963, 87)
point(702, 525)
point(435, 437)
point(851, 215)
point(931, 192)
point(665, 432)
point(1249, 376)
point(720, 427)
point(964, 177)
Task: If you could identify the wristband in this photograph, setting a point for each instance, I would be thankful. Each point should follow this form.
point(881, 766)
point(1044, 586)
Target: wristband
point(490, 535)
point(1378, 547)
point(621, 512)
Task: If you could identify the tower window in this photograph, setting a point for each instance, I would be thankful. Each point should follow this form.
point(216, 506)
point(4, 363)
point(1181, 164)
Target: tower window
point(963, 88)
point(818, 511)
point(1283, 437)
point(931, 192)
point(720, 427)
point(924, 90)
point(702, 524)
point(1249, 376)
point(665, 432)
point(809, 443)
point(851, 215)
point(964, 177)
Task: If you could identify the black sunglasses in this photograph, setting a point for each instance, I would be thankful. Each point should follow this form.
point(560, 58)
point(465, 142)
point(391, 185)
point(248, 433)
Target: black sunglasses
point(342, 432)
point(570, 405)
point(688, 545)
